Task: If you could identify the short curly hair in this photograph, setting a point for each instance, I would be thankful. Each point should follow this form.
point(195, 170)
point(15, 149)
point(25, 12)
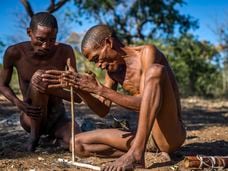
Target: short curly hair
point(96, 35)
point(44, 19)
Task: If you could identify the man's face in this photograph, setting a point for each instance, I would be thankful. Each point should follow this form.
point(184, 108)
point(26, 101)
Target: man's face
point(104, 57)
point(42, 39)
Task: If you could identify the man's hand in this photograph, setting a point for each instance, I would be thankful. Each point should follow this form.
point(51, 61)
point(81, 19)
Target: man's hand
point(54, 79)
point(32, 111)
point(65, 79)
point(85, 82)
point(37, 82)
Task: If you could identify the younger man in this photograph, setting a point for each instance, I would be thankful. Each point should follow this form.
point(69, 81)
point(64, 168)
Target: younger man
point(42, 109)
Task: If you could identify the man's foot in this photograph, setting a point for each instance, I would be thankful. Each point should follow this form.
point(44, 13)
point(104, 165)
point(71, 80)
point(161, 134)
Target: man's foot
point(62, 144)
point(125, 162)
point(32, 144)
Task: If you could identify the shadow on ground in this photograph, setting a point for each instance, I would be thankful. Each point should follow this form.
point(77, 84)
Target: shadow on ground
point(196, 119)
point(206, 128)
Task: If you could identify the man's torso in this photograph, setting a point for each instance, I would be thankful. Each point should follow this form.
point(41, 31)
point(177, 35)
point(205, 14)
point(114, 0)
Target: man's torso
point(27, 63)
point(132, 79)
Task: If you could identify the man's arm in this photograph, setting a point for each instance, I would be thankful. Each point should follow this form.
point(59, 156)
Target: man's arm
point(42, 86)
point(107, 91)
point(95, 104)
point(6, 74)
point(5, 89)
point(58, 79)
point(127, 101)
point(99, 104)
point(53, 77)
point(100, 107)
point(64, 94)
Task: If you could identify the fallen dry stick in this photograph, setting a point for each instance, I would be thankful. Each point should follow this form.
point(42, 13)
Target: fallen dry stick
point(83, 165)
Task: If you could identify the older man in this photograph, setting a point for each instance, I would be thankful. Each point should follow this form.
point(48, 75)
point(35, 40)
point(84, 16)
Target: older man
point(144, 72)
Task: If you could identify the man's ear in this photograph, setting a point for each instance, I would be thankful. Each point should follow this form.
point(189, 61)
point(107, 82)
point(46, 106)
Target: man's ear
point(109, 42)
point(29, 31)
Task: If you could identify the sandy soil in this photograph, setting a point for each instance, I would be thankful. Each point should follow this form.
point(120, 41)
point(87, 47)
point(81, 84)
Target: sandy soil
point(206, 122)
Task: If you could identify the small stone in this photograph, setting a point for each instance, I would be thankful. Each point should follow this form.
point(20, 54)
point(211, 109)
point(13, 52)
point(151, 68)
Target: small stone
point(41, 158)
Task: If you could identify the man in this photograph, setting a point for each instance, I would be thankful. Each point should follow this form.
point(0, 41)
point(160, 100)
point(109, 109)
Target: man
point(144, 72)
point(42, 109)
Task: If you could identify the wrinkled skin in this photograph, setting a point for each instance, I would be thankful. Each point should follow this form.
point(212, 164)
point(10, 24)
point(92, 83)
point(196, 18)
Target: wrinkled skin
point(144, 72)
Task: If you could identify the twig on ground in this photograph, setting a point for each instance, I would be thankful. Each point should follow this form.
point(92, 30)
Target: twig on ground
point(78, 164)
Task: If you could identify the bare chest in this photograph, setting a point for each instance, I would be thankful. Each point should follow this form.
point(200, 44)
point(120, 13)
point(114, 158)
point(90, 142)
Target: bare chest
point(130, 80)
point(27, 66)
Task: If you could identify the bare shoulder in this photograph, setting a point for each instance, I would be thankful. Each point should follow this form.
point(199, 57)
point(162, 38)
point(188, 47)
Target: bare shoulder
point(65, 49)
point(13, 52)
point(146, 46)
point(149, 53)
point(64, 46)
point(150, 46)
point(150, 49)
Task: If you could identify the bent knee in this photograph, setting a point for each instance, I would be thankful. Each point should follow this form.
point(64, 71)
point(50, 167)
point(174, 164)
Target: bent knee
point(37, 74)
point(155, 72)
point(37, 80)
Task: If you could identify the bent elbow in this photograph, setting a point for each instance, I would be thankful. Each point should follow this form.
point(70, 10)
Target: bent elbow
point(102, 113)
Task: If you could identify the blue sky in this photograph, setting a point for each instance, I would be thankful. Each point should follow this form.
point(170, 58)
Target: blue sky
point(206, 11)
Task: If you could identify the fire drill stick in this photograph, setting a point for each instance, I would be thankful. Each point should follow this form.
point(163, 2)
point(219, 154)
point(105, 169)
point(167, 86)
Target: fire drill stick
point(72, 121)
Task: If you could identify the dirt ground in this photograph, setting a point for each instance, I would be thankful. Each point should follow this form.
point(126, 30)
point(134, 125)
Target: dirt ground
point(206, 122)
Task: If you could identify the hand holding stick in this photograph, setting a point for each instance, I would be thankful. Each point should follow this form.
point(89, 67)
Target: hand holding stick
point(68, 67)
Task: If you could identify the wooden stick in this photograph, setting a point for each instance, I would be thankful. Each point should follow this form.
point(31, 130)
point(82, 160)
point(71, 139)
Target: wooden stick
point(84, 165)
point(206, 162)
point(72, 121)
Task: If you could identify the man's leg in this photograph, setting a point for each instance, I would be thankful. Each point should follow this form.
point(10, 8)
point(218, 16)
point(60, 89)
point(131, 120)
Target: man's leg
point(150, 106)
point(103, 143)
point(31, 125)
point(156, 111)
point(62, 131)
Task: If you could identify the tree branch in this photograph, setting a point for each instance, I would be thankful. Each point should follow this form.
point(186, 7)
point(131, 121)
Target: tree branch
point(27, 7)
point(54, 7)
point(52, 4)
